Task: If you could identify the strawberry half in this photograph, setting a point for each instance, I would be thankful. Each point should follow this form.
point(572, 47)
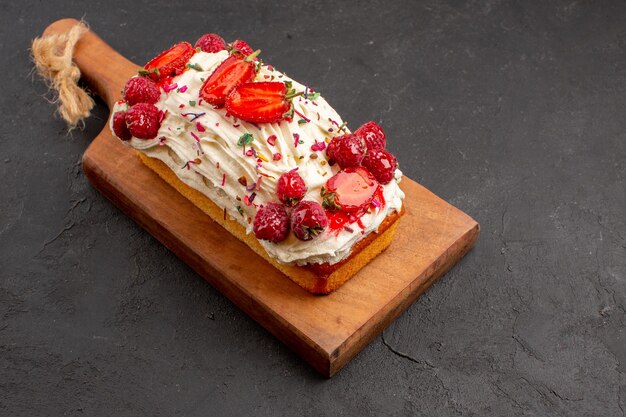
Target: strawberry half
point(169, 63)
point(233, 71)
point(263, 102)
point(351, 190)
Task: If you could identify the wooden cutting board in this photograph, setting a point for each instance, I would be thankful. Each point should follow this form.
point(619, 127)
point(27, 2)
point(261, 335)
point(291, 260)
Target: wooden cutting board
point(327, 331)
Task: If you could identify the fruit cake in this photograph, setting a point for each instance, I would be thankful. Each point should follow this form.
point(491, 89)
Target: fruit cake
point(265, 157)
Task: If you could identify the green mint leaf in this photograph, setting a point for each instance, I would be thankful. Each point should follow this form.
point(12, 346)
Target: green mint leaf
point(312, 96)
point(195, 66)
point(245, 139)
point(144, 72)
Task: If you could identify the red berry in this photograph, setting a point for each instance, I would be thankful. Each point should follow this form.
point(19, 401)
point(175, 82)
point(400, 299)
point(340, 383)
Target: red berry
point(330, 151)
point(210, 42)
point(262, 102)
point(171, 62)
point(242, 46)
point(373, 136)
point(308, 220)
point(271, 223)
point(119, 126)
point(232, 72)
point(350, 190)
point(290, 188)
point(142, 121)
point(381, 164)
point(347, 150)
point(141, 90)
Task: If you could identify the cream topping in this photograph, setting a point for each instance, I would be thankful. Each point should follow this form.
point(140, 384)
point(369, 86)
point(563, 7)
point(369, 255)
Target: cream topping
point(203, 146)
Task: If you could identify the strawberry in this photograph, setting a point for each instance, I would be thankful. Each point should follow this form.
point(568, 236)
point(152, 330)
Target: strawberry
point(169, 63)
point(290, 188)
point(142, 121)
point(308, 220)
point(381, 164)
point(373, 136)
point(232, 72)
point(241, 47)
point(210, 42)
point(119, 126)
point(141, 90)
point(271, 222)
point(262, 102)
point(347, 150)
point(351, 190)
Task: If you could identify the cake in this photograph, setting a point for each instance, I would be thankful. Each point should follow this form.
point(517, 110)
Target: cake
point(265, 157)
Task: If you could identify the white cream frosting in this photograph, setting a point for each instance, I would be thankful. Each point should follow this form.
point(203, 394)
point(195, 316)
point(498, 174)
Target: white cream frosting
point(210, 142)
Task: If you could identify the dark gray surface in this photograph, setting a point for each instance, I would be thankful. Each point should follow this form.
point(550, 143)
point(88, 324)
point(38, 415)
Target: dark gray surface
point(514, 113)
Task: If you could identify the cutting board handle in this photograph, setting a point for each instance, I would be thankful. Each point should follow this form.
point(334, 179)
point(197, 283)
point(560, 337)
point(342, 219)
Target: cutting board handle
point(104, 70)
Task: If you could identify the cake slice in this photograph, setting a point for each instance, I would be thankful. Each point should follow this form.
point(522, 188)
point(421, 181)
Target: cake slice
point(265, 157)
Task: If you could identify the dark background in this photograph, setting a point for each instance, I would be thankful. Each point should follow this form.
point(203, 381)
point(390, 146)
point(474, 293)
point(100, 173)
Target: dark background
point(515, 112)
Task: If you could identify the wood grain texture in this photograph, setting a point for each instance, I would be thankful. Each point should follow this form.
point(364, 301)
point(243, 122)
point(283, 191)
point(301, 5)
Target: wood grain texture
point(327, 331)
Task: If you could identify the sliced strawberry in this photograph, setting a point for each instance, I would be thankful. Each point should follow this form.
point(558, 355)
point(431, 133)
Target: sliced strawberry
point(351, 190)
point(263, 102)
point(233, 71)
point(169, 63)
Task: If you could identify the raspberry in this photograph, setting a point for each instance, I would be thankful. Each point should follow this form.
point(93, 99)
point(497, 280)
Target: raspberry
point(308, 220)
point(381, 164)
point(347, 150)
point(290, 188)
point(119, 126)
point(141, 90)
point(373, 136)
point(142, 121)
point(242, 46)
point(330, 151)
point(210, 42)
point(271, 223)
